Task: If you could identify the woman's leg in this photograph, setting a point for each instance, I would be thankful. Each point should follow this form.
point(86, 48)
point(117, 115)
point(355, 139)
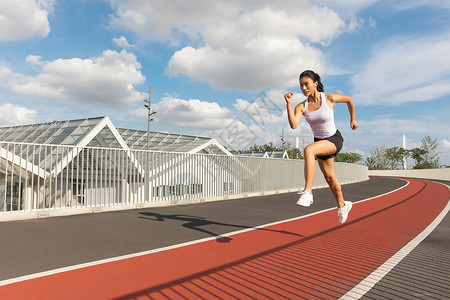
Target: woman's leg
point(327, 167)
point(311, 151)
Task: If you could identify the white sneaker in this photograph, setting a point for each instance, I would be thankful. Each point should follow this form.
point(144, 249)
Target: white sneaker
point(343, 212)
point(306, 199)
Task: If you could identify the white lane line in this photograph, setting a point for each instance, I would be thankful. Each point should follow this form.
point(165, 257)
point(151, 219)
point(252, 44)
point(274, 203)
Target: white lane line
point(128, 256)
point(364, 286)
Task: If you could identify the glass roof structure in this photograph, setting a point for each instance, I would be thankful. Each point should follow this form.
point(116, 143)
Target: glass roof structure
point(100, 132)
point(43, 145)
point(53, 133)
point(137, 140)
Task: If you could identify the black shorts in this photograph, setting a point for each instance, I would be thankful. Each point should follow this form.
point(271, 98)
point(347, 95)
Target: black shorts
point(337, 140)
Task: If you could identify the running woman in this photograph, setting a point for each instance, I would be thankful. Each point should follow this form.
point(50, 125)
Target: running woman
point(328, 141)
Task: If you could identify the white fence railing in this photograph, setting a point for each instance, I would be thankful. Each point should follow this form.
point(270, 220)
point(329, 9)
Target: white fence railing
point(47, 180)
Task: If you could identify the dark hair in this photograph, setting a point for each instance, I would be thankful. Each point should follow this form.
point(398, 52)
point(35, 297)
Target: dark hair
point(315, 77)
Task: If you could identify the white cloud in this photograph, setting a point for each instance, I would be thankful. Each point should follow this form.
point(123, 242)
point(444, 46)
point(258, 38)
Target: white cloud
point(4, 73)
point(347, 7)
point(122, 42)
point(405, 69)
point(34, 60)
point(446, 144)
point(24, 19)
point(252, 65)
point(250, 45)
point(108, 79)
point(16, 115)
point(158, 19)
point(192, 113)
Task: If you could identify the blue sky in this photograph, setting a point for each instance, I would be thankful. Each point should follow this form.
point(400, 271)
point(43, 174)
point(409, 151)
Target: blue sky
point(220, 68)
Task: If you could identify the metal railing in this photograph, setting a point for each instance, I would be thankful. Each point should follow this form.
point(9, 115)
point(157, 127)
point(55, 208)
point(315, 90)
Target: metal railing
point(51, 179)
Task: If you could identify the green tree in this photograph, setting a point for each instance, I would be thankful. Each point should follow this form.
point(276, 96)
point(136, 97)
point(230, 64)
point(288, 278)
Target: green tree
point(430, 159)
point(384, 158)
point(348, 157)
point(417, 154)
point(395, 157)
point(263, 148)
point(371, 163)
point(378, 159)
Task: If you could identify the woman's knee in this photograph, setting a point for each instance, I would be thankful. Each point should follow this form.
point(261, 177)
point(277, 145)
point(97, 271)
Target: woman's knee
point(332, 181)
point(309, 151)
point(329, 178)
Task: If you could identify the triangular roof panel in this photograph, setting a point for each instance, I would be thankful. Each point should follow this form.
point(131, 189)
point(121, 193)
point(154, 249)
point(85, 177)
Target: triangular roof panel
point(160, 141)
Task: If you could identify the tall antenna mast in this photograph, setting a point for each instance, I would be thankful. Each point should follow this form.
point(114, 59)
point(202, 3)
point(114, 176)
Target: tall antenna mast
point(404, 157)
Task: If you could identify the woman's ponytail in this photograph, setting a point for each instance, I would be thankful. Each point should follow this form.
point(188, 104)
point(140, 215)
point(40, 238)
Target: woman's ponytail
point(320, 85)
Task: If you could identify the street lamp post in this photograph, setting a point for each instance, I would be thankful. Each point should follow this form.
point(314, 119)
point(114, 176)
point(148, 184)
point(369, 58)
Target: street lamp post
point(148, 106)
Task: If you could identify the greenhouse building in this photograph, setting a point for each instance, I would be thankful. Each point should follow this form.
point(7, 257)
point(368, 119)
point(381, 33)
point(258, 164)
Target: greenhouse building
point(91, 165)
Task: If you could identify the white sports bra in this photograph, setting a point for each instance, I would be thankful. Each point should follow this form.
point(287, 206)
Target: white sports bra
point(321, 120)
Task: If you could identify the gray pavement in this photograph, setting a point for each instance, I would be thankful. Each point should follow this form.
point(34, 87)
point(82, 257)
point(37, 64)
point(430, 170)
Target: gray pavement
point(33, 246)
point(422, 274)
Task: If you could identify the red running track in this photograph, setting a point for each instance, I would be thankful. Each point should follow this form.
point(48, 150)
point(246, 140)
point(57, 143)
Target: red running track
point(308, 257)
